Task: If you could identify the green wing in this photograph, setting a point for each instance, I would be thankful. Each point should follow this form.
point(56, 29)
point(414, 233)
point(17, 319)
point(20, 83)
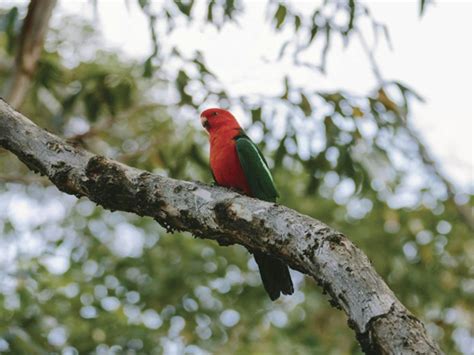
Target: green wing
point(255, 169)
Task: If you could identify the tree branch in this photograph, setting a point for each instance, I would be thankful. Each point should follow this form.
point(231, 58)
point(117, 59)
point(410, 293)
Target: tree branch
point(29, 50)
point(381, 323)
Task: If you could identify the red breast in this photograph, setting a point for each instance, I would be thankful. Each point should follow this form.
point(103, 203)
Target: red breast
point(224, 160)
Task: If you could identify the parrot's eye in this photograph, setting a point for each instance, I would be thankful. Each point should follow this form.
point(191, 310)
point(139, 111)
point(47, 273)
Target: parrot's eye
point(214, 113)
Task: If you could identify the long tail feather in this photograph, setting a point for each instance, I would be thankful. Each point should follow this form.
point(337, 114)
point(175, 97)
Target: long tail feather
point(275, 275)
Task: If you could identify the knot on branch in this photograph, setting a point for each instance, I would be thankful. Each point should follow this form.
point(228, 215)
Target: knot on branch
point(60, 177)
point(108, 184)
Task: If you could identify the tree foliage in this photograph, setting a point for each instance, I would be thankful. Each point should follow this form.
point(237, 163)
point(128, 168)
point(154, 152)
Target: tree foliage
point(77, 278)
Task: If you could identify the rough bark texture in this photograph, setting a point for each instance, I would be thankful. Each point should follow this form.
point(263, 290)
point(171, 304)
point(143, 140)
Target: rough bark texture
point(381, 323)
point(30, 45)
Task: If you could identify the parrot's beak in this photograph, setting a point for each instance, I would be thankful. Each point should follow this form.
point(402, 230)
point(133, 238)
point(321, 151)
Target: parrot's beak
point(204, 122)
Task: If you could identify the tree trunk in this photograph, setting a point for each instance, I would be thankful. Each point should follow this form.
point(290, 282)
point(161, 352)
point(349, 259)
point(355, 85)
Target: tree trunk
point(30, 45)
point(381, 323)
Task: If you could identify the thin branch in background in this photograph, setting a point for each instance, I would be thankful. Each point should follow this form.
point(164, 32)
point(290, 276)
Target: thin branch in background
point(371, 57)
point(31, 39)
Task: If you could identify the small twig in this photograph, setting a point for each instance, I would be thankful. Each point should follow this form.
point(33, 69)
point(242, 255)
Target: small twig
point(370, 55)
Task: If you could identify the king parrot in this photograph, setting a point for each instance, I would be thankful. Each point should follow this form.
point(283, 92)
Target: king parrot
point(236, 162)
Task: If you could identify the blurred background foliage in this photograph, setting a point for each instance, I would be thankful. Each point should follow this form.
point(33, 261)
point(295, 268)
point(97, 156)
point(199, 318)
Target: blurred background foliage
point(75, 278)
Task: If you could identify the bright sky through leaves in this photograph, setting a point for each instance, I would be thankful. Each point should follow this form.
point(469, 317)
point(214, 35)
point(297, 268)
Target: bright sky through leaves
point(428, 54)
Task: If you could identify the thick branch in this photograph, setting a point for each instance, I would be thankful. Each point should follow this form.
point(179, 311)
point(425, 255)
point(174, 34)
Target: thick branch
point(382, 324)
point(30, 45)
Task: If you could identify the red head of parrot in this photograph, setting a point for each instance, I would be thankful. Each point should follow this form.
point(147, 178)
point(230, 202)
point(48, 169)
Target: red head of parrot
point(217, 119)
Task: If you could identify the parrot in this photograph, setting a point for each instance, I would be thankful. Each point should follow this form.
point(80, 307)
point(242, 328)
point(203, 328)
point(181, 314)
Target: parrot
point(237, 163)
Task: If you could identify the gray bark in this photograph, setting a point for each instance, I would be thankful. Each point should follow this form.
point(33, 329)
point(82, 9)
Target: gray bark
point(30, 45)
point(381, 323)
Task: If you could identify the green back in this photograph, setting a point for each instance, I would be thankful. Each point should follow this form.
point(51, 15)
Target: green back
point(255, 169)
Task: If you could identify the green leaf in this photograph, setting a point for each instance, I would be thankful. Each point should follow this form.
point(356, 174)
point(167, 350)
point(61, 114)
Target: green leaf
point(210, 11)
point(92, 104)
point(313, 33)
point(11, 21)
point(305, 105)
point(422, 7)
point(183, 7)
point(297, 23)
point(181, 83)
point(70, 101)
point(357, 112)
point(144, 4)
point(182, 78)
point(345, 163)
point(280, 15)
point(350, 25)
point(256, 114)
point(314, 28)
point(229, 8)
point(123, 93)
point(405, 89)
point(287, 89)
point(280, 152)
point(148, 68)
point(199, 61)
point(108, 97)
